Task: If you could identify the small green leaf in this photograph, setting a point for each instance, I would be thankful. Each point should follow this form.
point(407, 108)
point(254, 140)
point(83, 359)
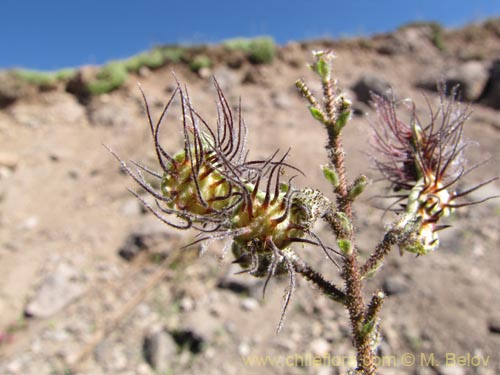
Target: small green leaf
point(368, 327)
point(342, 120)
point(324, 69)
point(344, 222)
point(358, 187)
point(317, 114)
point(331, 175)
point(345, 246)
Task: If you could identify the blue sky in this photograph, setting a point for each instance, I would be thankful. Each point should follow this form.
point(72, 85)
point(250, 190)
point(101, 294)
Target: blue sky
point(52, 34)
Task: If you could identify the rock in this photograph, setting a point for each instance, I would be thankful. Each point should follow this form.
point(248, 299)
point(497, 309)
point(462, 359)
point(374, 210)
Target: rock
point(108, 113)
point(469, 78)
point(491, 92)
point(205, 72)
point(152, 236)
point(159, 349)
point(197, 330)
point(132, 207)
point(451, 370)
point(320, 347)
point(281, 100)
point(11, 89)
point(395, 284)
point(226, 78)
point(8, 160)
point(189, 339)
point(235, 59)
point(79, 83)
point(410, 39)
point(494, 325)
point(56, 291)
point(241, 283)
point(371, 84)
point(187, 304)
point(243, 349)
point(249, 304)
point(29, 223)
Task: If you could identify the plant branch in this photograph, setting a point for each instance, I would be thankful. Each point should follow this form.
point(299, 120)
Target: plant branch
point(382, 249)
point(326, 287)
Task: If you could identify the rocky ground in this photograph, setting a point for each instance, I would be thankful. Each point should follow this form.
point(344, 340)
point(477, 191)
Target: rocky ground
point(90, 283)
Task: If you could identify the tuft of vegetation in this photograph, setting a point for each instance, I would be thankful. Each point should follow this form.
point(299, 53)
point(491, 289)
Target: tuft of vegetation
point(260, 50)
point(173, 54)
point(109, 78)
point(151, 59)
point(155, 58)
point(200, 62)
point(114, 74)
point(44, 80)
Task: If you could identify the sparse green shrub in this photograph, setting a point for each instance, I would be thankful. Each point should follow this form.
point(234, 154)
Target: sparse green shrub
point(152, 59)
point(200, 62)
point(173, 54)
point(44, 80)
point(41, 79)
point(65, 74)
point(238, 44)
point(260, 50)
point(109, 78)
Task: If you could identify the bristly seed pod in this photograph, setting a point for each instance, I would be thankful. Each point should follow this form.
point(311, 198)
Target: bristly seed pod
point(211, 186)
point(423, 162)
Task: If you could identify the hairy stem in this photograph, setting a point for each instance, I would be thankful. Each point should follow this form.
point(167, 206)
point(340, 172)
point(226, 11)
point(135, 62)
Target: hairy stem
point(382, 249)
point(326, 287)
point(350, 271)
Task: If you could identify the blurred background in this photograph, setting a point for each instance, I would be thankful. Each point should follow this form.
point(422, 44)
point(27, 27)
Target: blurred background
point(58, 34)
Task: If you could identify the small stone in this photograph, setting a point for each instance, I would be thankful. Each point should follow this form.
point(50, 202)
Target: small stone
point(56, 291)
point(241, 283)
point(320, 347)
point(394, 285)
point(281, 100)
point(150, 236)
point(249, 304)
point(494, 325)
point(9, 160)
point(369, 84)
point(243, 349)
point(187, 304)
point(450, 370)
point(205, 72)
point(159, 349)
point(30, 223)
point(198, 329)
point(132, 207)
